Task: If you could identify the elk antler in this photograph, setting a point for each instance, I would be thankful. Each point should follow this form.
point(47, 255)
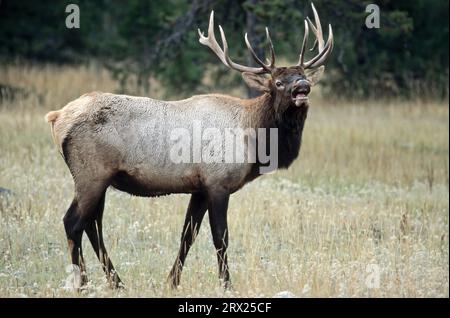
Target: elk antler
point(324, 50)
point(211, 42)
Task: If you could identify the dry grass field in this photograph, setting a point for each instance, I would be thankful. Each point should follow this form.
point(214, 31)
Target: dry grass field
point(369, 191)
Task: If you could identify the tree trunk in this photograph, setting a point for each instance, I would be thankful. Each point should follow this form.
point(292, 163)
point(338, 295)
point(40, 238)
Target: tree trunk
point(256, 39)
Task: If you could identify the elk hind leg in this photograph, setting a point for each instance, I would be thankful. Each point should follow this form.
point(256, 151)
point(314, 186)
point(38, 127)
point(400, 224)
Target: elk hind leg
point(80, 213)
point(74, 226)
point(94, 231)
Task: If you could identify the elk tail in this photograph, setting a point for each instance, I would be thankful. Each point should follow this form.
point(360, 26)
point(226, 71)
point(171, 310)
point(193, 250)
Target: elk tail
point(51, 117)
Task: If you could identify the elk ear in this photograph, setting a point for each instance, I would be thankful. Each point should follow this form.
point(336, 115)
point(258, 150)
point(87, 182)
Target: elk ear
point(314, 75)
point(258, 82)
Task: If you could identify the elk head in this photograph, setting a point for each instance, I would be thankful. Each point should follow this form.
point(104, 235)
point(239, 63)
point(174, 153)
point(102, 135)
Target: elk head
point(287, 85)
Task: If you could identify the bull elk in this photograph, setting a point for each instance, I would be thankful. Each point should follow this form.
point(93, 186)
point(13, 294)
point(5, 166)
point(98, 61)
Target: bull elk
point(111, 140)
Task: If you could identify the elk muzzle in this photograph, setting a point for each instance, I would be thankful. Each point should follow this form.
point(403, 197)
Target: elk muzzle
point(300, 91)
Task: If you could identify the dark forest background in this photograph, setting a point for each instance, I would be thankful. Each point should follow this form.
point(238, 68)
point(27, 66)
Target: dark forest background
point(407, 56)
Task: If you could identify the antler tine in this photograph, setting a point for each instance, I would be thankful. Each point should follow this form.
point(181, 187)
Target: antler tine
point(255, 57)
point(211, 42)
point(323, 55)
point(313, 28)
point(317, 29)
point(324, 49)
point(236, 66)
point(305, 41)
point(228, 61)
point(272, 50)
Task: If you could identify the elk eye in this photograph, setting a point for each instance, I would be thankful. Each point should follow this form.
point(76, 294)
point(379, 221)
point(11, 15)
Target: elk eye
point(278, 84)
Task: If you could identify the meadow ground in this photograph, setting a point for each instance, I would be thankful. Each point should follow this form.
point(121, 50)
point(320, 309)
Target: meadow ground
point(368, 193)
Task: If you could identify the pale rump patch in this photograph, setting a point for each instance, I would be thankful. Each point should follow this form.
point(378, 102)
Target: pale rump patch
point(62, 120)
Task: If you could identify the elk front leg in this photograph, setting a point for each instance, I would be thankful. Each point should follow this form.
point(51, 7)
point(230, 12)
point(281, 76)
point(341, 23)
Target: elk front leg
point(217, 209)
point(194, 216)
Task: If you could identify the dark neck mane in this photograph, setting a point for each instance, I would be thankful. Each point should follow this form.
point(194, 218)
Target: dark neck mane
point(290, 128)
point(289, 119)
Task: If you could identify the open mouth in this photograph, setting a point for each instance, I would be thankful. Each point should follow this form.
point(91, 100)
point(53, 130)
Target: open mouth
point(299, 97)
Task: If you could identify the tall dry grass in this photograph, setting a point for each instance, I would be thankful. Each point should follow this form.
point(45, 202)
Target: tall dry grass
point(370, 188)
